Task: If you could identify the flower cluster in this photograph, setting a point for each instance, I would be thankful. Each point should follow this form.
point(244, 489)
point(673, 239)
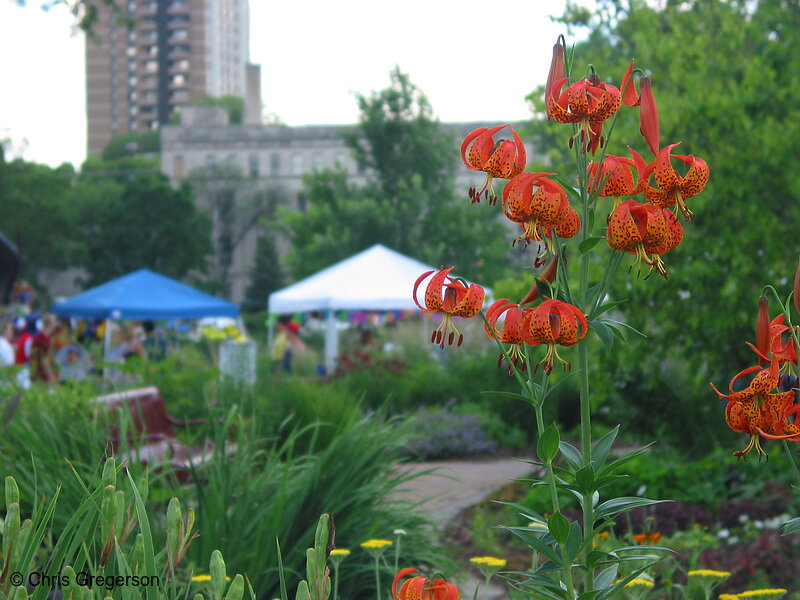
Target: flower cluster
point(766, 408)
point(647, 227)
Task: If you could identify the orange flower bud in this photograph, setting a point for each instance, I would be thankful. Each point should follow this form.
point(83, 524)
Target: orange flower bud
point(762, 329)
point(648, 116)
point(556, 70)
point(547, 274)
point(796, 297)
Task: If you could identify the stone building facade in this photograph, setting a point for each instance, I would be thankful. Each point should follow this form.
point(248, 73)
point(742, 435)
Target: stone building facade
point(256, 167)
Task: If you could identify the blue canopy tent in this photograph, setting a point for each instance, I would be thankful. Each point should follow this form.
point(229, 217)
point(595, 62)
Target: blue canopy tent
point(142, 295)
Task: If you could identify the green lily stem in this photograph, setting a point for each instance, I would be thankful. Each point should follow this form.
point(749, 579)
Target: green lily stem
point(566, 563)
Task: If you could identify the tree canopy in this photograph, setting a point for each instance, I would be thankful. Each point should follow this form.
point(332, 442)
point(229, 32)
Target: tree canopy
point(409, 202)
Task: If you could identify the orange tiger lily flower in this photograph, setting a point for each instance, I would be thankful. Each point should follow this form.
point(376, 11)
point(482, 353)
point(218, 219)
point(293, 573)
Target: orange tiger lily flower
point(553, 323)
point(587, 103)
point(539, 204)
point(503, 159)
point(639, 229)
point(672, 188)
point(452, 298)
point(616, 175)
point(671, 241)
point(513, 331)
point(422, 588)
point(760, 412)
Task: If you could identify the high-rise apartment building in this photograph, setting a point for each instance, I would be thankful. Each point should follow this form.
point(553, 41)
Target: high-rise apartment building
point(151, 56)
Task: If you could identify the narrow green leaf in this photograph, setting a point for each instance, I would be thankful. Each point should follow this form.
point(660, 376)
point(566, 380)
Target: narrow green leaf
point(574, 540)
point(586, 245)
point(791, 526)
point(151, 592)
point(625, 503)
point(606, 307)
point(534, 540)
point(558, 526)
point(606, 577)
point(603, 332)
point(571, 454)
point(603, 446)
point(547, 446)
point(584, 477)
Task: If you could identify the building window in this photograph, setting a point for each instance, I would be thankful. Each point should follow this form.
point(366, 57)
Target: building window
point(302, 202)
point(211, 160)
point(275, 164)
point(177, 166)
point(319, 160)
point(297, 164)
point(342, 162)
point(252, 162)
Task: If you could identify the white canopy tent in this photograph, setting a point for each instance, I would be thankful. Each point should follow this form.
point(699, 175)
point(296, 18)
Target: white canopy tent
point(376, 279)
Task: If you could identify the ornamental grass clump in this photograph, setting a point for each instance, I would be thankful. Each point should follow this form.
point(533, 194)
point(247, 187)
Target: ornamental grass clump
point(638, 206)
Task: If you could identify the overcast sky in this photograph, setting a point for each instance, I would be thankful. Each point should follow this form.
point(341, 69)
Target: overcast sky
point(474, 61)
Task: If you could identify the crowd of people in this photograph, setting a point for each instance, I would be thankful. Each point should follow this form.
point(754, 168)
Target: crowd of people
point(44, 348)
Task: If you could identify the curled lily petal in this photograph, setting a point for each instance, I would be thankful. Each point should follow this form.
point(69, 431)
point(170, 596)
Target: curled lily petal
point(504, 158)
point(451, 298)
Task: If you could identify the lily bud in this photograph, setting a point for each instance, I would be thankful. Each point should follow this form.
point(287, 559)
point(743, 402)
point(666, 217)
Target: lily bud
point(629, 95)
point(762, 329)
point(556, 70)
point(236, 590)
point(12, 491)
point(796, 297)
point(648, 116)
point(218, 574)
point(548, 274)
point(174, 522)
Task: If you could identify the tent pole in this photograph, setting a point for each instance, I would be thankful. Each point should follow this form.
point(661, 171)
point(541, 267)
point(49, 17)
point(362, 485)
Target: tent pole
point(331, 342)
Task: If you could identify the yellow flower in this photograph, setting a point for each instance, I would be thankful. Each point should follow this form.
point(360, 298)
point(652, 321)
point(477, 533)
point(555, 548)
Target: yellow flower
point(376, 544)
point(728, 597)
point(765, 594)
point(489, 561)
point(204, 578)
point(375, 548)
point(340, 552)
point(639, 581)
point(709, 574)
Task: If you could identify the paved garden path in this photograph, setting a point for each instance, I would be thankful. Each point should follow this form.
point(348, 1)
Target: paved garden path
point(447, 488)
point(452, 486)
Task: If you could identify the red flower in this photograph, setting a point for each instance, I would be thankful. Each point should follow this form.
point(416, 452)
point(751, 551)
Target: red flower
point(648, 113)
point(423, 588)
point(588, 102)
point(513, 331)
point(553, 323)
point(451, 297)
point(758, 411)
point(615, 174)
point(539, 205)
point(672, 188)
point(645, 231)
point(503, 159)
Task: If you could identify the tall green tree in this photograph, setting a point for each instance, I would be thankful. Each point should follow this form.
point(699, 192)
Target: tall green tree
point(37, 216)
point(725, 76)
point(142, 222)
point(409, 203)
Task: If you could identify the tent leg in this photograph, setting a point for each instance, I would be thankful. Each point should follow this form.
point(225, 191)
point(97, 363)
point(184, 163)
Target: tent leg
point(331, 342)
